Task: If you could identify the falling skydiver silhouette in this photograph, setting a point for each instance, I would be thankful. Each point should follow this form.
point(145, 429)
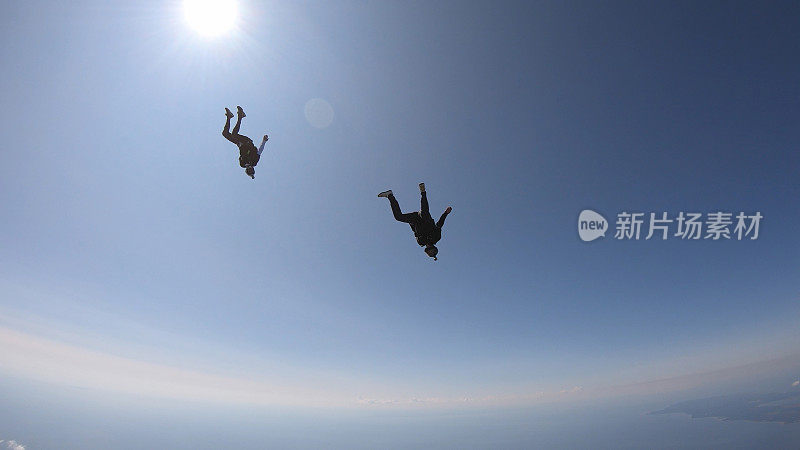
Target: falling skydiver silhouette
point(248, 153)
point(425, 230)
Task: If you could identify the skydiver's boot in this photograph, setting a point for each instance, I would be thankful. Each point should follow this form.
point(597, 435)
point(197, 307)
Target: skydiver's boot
point(421, 188)
point(228, 113)
point(385, 193)
point(240, 112)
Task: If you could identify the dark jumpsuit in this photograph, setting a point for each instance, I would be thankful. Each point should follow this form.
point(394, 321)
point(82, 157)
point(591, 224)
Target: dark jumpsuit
point(425, 230)
point(248, 153)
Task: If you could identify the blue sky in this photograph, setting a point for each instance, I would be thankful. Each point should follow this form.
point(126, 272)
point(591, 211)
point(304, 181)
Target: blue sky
point(130, 232)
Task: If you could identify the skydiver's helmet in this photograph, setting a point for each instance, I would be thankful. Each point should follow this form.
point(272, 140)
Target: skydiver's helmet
point(249, 170)
point(432, 251)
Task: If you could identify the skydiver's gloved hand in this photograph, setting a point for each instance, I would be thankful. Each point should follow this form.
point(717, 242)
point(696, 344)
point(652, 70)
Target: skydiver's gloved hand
point(448, 210)
point(266, 138)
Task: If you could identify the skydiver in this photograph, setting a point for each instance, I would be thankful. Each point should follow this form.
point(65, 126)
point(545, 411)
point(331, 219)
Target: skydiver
point(248, 153)
point(425, 230)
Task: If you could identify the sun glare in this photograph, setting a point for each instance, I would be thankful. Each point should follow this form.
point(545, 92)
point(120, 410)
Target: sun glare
point(210, 17)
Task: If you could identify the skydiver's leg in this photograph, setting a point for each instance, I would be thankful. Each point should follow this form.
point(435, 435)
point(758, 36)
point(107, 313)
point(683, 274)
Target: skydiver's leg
point(226, 132)
point(238, 124)
point(235, 137)
point(398, 215)
point(424, 209)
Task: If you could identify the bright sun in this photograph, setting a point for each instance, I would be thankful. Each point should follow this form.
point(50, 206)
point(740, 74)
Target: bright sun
point(210, 17)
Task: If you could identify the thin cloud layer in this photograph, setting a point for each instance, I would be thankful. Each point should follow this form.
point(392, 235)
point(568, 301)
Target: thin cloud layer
point(11, 445)
point(49, 361)
point(40, 359)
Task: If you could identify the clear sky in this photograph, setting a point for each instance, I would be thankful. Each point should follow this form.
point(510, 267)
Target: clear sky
point(137, 259)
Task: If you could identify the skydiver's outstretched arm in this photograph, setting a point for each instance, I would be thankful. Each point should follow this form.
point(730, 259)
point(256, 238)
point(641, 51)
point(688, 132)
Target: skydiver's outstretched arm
point(261, 147)
point(440, 223)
